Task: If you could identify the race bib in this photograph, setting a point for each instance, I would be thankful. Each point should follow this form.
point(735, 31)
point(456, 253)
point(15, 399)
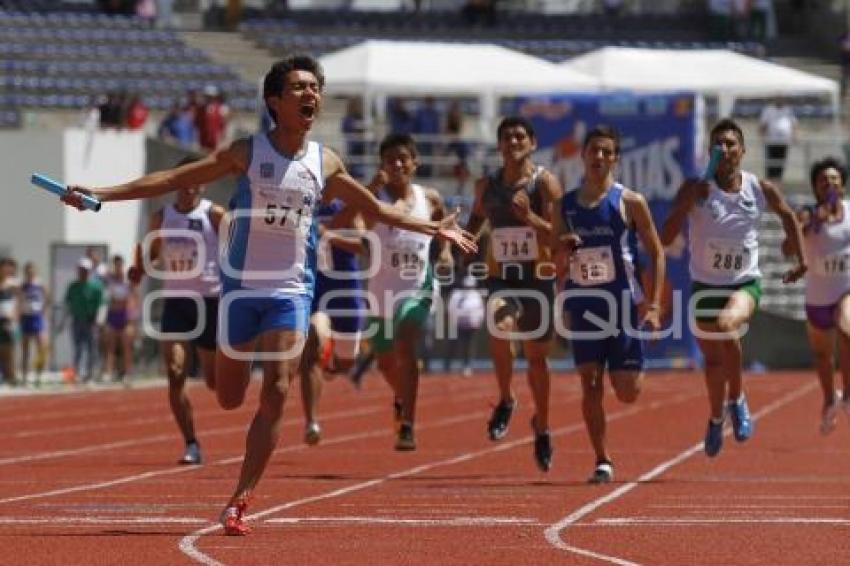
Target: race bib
point(182, 255)
point(593, 266)
point(289, 212)
point(7, 308)
point(517, 243)
point(33, 306)
point(404, 253)
point(835, 265)
point(727, 256)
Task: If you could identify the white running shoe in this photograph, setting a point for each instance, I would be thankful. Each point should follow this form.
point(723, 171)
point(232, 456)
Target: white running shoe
point(602, 473)
point(312, 433)
point(829, 416)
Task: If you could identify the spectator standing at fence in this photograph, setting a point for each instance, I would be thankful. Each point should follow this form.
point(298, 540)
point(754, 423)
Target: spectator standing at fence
point(778, 127)
point(466, 314)
point(212, 119)
point(426, 125)
point(8, 320)
point(34, 304)
point(178, 126)
point(83, 299)
point(354, 129)
point(137, 113)
point(401, 121)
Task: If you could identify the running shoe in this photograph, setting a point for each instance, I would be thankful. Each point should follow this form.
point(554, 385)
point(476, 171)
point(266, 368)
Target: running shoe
point(713, 438)
point(232, 518)
point(192, 455)
point(312, 433)
point(742, 424)
point(542, 448)
point(497, 426)
point(602, 473)
point(405, 440)
point(829, 416)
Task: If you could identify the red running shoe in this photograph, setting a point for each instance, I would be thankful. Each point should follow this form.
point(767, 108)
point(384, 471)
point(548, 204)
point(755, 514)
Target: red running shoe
point(232, 518)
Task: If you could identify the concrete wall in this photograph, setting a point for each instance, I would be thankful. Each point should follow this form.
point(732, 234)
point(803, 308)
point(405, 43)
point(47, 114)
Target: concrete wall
point(30, 219)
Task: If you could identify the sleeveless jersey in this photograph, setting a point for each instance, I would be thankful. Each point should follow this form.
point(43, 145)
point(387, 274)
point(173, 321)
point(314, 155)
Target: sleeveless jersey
point(724, 234)
point(117, 290)
point(514, 250)
point(180, 253)
point(272, 242)
point(34, 297)
point(828, 253)
point(605, 259)
point(403, 255)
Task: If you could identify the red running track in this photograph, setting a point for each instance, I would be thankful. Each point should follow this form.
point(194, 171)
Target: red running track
point(89, 478)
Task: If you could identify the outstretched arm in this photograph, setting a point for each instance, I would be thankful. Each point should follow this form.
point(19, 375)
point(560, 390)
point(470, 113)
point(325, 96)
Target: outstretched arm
point(793, 233)
point(339, 184)
point(231, 160)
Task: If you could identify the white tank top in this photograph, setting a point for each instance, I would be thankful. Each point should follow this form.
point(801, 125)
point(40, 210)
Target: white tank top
point(828, 253)
point(272, 242)
point(117, 290)
point(180, 252)
point(403, 257)
point(724, 235)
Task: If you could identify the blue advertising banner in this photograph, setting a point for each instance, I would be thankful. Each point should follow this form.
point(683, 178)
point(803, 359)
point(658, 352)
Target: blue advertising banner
point(657, 152)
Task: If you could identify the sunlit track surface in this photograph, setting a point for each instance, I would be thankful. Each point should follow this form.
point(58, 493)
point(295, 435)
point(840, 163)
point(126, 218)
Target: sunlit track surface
point(91, 477)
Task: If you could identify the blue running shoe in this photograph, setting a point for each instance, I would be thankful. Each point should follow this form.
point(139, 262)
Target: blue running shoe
point(742, 424)
point(713, 438)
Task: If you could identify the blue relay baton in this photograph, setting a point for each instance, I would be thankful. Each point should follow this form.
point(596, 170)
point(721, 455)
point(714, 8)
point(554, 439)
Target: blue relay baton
point(61, 190)
point(713, 160)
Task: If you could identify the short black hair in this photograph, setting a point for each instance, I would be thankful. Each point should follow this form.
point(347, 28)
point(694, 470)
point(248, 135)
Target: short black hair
point(398, 140)
point(603, 131)
point(727, 125)
point(514, 121)
point(274, 80)
point(823, 165)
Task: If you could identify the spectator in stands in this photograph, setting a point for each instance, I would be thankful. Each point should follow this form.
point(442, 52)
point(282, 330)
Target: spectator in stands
point(720, 19)
point(458, 147)
point(612, 8)
point(476, 12)
point(778, 127)
point(212, 119)
point(401, 121)
point(353, 129)
point(759, 12)
point(111, 112)
point(178, 126)
point(466, 312)
point(83, 299)
point(426, 123)
point(8, 320)
point(845, 61)
point(137, 113)
point(146, 11)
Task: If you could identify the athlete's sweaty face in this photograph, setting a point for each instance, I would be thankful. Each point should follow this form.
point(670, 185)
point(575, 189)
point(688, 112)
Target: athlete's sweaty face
point(828, 181)
point(400, 165)
point(600, 157)
point(732, 149)
point(300, 100)
point(515, 144)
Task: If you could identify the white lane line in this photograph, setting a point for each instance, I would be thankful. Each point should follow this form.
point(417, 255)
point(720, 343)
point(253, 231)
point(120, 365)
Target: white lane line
point(63, 521)
point(187, 543)
point(553, 533)
point(226, 461)
point(677, 521)
point(418, 522)
point(171, 436)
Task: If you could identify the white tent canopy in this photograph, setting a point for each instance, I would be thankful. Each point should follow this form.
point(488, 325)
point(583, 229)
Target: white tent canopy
point(376, 69)
point(713, 72)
